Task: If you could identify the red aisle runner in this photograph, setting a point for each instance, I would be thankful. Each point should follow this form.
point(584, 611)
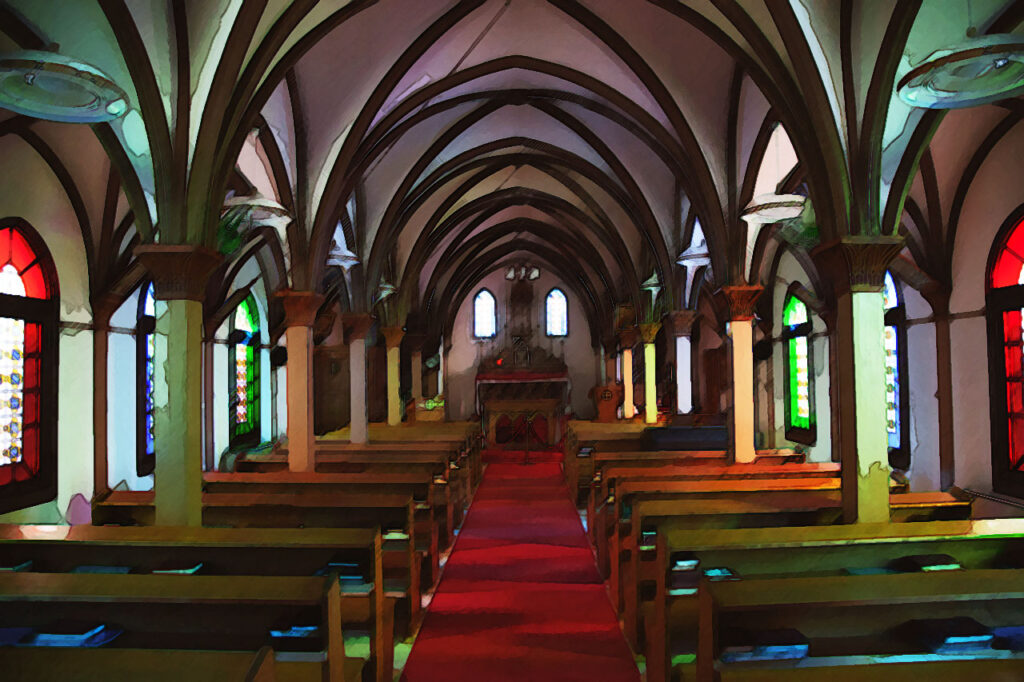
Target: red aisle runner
point(521, 598)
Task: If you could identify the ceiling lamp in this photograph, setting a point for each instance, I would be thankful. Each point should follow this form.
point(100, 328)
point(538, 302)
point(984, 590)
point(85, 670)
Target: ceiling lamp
point(979, 70)
point(260, 206)
point(771, 208)
point(384, 292)
point(51, 86)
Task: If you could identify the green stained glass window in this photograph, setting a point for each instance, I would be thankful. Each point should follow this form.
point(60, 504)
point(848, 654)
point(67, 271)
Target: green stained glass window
point(799, 369)
point(244, 339)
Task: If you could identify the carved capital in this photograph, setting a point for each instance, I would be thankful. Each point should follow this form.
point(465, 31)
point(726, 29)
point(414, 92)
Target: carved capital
point(416, 341)
point(300, 307)
point(742, 299)
point(680, 322)
point(649, 330)
point(179, 271)
point(858, 263)
point(392, 336)
point(357, 325)
point(627, 337)
point(625, 316)
point(103, 307)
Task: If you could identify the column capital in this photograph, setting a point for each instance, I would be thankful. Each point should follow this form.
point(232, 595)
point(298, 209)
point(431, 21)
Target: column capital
point(681, 322)
point(742, 299)
point(416, 341)
point(103, 307)
point(357, 325)
point(300, 307)
point(392, 336)
point(627, 337)
point(649, 330)
point(179, 271)
point(858, 263)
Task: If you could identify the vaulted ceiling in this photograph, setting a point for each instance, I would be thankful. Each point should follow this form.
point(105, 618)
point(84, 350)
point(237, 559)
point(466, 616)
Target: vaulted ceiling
point(440, 139)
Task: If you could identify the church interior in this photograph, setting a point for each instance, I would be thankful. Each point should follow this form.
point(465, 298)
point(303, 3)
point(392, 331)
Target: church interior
point(577, 340)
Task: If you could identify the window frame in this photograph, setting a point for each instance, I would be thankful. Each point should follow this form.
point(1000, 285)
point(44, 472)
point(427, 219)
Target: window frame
point(547, 312)
point(145, 327)
point(999, 300)
point(252, 435)
point(899, 458)
point(42, 487)
point(798, 434)
point(476, 296)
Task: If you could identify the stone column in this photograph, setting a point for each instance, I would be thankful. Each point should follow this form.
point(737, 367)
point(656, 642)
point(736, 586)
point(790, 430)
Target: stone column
point(741, 333)
point(357, 325)
point(939, 301)
point(648, 332)
point(393, 342)
point(180, 273)
point(102, 309)
point(681, 324)
point(300, 308)
point(608, 345)
point(858, 266)
point(415, 343)
point(627, 339)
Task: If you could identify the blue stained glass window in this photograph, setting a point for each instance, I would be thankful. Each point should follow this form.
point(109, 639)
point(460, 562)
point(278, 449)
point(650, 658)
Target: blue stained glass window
point(891, 301)
point(146, 353)
point(485, 317)
point(557, 313)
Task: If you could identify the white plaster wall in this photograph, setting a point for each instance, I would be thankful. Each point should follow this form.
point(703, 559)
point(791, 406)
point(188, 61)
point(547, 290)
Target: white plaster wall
point(466, 351)
point(922, 380)
point(994, 194)
point(31, 191)
point(122, 399)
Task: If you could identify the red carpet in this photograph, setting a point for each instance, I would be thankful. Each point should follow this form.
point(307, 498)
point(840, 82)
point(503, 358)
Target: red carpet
point(521, 598)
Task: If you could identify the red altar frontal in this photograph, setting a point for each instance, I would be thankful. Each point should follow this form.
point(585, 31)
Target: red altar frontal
point(523, 407)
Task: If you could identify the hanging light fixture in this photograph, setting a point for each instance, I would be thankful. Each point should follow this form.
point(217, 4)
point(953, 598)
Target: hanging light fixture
point(979, 70)
point(341, 257)
point(771, 208)
point(50, 86)
point(260, 206)
point(384, 291)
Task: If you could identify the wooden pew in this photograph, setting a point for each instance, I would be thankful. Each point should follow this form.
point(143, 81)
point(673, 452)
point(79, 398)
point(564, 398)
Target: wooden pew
point(27, 664)
point(433, 507)
point(669, 616)
point(222, 552)
point(849, 620)
point(396, 513)
point(190, 612)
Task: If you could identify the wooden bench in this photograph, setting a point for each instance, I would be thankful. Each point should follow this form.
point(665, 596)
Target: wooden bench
point(393, 513)
point(849, 620)
point(434, 513)
point(669, 611)
point(222, 552)
point(190, 612)
point(30, 664)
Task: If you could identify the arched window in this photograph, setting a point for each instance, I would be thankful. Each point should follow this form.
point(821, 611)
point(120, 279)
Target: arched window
point(796, 332)
point(28, 368)
point(556, 309)
point(485, 316)
point(244, 339)
point(145, 346)
point(896, 394)
point(1004, 303)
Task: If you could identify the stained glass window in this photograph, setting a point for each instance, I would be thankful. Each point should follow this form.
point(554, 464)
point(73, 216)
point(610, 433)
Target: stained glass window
point(895, 390)
point(1005, 303)
point(28, 315)
point(245, 372)
point(485, 318)
point(145, 340)
point(557, 313)
point(796, 331)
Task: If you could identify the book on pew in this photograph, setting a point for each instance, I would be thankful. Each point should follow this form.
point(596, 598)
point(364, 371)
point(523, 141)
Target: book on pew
point(684, 561)
point(739, 645)
point(178, 568)
point(395, 534)
point(12, 636)
point(959, 635)
point(926, 562)
point(11, 568)
point(720, 574)
point(1008, 637)
point(95, 568)
point(72, 634)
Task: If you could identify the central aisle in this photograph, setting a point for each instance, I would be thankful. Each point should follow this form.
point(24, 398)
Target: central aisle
point(521, 598)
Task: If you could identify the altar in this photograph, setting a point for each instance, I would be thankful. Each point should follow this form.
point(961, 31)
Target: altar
point(522, 404)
